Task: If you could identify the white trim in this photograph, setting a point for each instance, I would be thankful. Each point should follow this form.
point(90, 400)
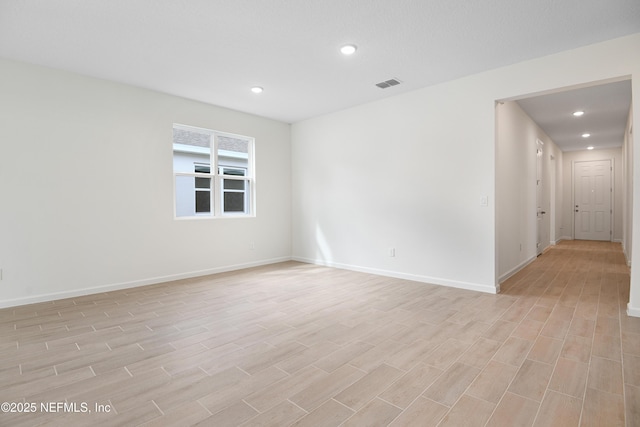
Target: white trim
point(633, 311)
point(233, 154)
point(553, 185)
point(191, 149)
point(626, 256)
point(134, 284)
point(573, 200)
point(539, 189)
point(517, 268)
point(413, 277)
point(612, 178)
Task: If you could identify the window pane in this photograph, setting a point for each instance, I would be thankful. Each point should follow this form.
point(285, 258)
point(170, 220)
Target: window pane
point(233, 155)
point(203, 182)
point(237, 145)
point(202, 168)
point(233, 184)
point(233, 171)
point(189, 147)
point(233, 202)
point(203, 201)
point(236, 201)
point(189, 200)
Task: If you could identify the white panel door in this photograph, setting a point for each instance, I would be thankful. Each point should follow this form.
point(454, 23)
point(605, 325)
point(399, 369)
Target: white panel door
point(592, 193)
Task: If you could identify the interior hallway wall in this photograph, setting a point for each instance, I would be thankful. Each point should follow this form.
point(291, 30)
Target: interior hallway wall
point(627, 178)
point(516, 136)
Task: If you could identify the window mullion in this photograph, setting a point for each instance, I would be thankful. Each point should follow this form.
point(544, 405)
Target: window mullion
point(215, 182)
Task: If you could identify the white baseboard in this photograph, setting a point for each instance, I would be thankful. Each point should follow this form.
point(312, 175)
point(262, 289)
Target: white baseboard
point(133, 284)
point(515, 269)
point(626, 256)
point(633, 311)
point(406, 276)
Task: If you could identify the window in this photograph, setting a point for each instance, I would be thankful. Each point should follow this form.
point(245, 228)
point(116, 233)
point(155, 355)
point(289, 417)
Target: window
point(234, 192)
point(213, 173)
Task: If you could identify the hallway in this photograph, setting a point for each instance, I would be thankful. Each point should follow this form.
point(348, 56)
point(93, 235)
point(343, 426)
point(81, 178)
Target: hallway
point(573, 303)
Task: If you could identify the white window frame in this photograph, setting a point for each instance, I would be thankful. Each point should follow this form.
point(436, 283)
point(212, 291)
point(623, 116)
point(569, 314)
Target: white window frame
point(217, 174)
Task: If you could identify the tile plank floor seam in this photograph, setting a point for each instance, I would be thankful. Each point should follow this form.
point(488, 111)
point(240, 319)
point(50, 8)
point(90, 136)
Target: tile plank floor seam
point(305, 345)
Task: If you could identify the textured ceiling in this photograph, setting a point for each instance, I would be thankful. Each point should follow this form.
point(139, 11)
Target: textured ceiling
point(215, 50)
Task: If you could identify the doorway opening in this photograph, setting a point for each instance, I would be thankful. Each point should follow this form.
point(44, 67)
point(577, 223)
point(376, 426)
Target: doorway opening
point(538, 142)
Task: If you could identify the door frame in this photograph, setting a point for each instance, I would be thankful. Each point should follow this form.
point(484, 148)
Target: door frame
point(573, 194)
point(539, 196)
point(553, 239)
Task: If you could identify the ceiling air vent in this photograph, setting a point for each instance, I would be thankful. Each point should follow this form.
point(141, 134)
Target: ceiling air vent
point(388, 83)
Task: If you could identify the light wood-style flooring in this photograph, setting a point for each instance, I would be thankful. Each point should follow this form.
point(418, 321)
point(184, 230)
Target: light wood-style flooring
point(298, 344)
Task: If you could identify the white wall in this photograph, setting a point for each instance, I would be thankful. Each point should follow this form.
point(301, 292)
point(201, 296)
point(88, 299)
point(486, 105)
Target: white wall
point(86, 180)
point(627, 178)
point(516, 136)
point(570, 157)
point(85, 175)
point(400, 173)
point(409, 171)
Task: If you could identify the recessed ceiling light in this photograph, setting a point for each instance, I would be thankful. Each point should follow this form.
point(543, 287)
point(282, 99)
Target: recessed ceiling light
point(256, 89)
point(348, 49)
point(586, 135)
point(578, 113)
point(590, 147)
